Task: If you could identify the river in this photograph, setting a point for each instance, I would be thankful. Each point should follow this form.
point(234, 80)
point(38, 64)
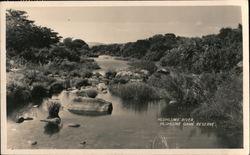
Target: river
point(131, 126)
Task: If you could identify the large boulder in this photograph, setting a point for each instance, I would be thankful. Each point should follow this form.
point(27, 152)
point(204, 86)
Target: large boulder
point(90, 106)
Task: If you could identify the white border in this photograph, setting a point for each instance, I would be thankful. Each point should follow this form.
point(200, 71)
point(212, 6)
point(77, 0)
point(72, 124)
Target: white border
point(245, 23)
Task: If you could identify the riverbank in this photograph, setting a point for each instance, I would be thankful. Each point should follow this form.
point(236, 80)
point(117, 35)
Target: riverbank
point(31, 83)
point(133, 120)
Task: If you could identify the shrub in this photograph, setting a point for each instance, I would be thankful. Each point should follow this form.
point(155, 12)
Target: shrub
point(147, 65)
point(93, 65)
point(75, 73)
point(110, 74)
point(134, 91)
point(182, 88)
point(81, 82)
point(56, 88)
point(225, 104)
point(53, 108)
point(91, 93)
point(32, 76)
point(39, 91)
point(17, 96)
point(87, 74)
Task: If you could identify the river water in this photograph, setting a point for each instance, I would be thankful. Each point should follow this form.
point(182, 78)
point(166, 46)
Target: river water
point(131, 125)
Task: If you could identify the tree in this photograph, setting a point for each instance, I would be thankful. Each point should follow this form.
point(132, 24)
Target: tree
point(22, 34)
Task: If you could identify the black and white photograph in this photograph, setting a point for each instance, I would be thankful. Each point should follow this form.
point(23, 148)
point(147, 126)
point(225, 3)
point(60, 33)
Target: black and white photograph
point(124, 76)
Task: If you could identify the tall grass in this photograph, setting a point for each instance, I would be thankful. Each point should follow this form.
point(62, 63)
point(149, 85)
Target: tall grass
point(226, 104)
point(147, 65)
point(53, 108)
point(186, 90)
point(134, 91)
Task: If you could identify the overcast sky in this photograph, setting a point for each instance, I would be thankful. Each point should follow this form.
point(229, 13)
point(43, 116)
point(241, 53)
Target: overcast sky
point(124, 24)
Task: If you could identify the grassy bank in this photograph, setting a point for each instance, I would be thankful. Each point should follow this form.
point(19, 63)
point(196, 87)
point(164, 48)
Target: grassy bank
point(134, 91)
point(33, 82)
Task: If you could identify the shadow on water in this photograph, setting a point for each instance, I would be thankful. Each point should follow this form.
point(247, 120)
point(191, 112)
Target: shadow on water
point(51, 128)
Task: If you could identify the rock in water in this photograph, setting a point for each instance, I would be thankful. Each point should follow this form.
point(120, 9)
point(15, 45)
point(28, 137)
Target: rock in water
point(20, 120)
point(74, 125)
point(32, 142)
point(52, 120)
point(172, 102)
point(90, 106)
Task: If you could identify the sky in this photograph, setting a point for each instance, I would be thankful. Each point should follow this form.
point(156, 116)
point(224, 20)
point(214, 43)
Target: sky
point(127, 24)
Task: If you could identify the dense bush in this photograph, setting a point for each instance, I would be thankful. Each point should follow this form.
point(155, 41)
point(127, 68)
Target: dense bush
point(81, 82)
point(53, 108)
point(87, 74)
point(184, 89)
point(22, 34)
point(226, 102)
point(134, 91)
point(17, 96)
point(91, 93)
point(146, 65)
point(56, 87)
point(39, 92)
point(110, 74)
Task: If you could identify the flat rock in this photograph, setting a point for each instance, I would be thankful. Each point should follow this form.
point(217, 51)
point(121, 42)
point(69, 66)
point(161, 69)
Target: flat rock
point(90, 106)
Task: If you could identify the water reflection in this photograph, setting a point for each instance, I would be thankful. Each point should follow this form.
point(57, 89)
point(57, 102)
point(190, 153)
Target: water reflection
point(52, 128)
point(227, 137)
point(136, 106)
point(176, 111)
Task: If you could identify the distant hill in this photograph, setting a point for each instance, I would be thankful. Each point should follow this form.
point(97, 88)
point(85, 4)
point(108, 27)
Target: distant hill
point(91, 44)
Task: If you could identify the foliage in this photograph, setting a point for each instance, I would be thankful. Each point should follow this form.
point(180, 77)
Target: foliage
point(226, 102)
point(53, 108)
point(22, 34)
point(39, 91)
point(91, 93)
point(146, 65)
point(75, 45)
point(81, 82)
point(110, 74)
point(56, 87)
point(134, 91)
point(17, 95)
